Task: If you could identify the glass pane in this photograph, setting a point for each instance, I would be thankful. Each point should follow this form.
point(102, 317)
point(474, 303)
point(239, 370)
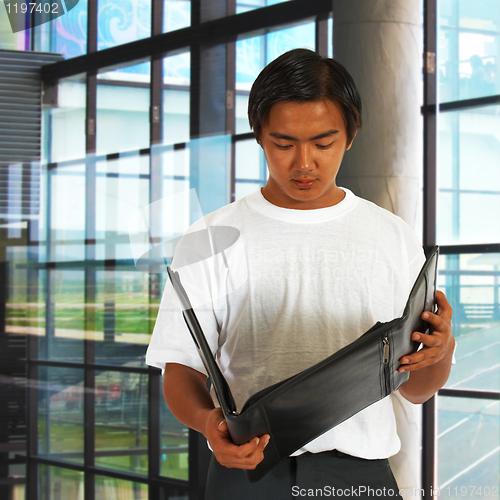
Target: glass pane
point(251, 168)
point(66, 122)
point(246, 5)
point(57, 483)
point(174, 445)
point(67, 34)
point(469, 176)
point(107, 487)
point(468, 440)
point(121, 421)
point(468, 49)
point(471, 285)
point(122, 187)
point(60, 414)
point(252, 54)
point(63, 311)
point(24, 303)
point(121, 22)
point(63, 315)
point(176, 14)
point(67, 213)
point(176, 81)
point(122, 321)
point(123, 101)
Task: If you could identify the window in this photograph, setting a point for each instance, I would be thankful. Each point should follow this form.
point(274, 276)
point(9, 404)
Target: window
point(465, 163)
point(126, 141)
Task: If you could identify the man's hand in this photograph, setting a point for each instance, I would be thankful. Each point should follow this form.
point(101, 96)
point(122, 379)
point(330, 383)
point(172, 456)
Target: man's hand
point(189, 401)
point(430, 366)
point(246, 456)
point(439, 345)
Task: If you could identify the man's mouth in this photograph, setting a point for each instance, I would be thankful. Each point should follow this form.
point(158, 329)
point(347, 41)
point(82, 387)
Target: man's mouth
point(304, 183)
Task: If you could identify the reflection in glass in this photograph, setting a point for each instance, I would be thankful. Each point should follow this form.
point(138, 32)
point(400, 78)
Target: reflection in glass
point(123, 101)
point(120, 22)
point(67, 34)
point(176, 14)
point(63, 315)
point(67, 213)
point(468, 52)
point(66, 121)
point(471, 284)
point(176, 81)
point(121, 421)
point(468, 444)
point(469, 176)
point(246, 5)
point(122, 187)
point(57, 483)
point(107, 487)
point(174, 445)
point(123, 319)
point(252, 54)
point(60, 413)
point(251, 168)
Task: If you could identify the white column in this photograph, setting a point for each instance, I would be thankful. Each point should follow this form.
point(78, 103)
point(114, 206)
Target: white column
point(380, 44)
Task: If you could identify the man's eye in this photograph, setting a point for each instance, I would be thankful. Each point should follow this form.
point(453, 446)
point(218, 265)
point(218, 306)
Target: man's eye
point(283, 147)
point(324, 146)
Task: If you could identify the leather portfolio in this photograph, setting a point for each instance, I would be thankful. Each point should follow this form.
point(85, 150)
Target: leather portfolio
point(301, 408)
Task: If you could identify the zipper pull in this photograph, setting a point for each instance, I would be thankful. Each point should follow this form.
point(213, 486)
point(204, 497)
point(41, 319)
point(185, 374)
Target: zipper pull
point(386, 350)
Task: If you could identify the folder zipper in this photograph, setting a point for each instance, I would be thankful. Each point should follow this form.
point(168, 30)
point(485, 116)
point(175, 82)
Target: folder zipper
point(386, 355)
point(386, 350)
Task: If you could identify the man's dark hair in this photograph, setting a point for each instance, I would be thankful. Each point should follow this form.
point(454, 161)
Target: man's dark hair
point(301, 75)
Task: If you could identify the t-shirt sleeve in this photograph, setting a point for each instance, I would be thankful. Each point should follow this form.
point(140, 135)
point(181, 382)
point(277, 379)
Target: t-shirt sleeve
point(415, 265)
point(171, 341)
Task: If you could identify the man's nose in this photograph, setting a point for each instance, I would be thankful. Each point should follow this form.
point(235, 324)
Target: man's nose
point(304, 158)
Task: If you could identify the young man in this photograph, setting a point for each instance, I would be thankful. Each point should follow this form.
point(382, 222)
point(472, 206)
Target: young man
point(316, 267)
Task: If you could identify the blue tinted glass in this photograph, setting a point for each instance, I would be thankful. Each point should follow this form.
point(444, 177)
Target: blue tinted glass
point(470, 282)
point(176, 80)
point(468, 465)
point(122, 21)
point(468, 50)
point(176, 14)
point(123, 101)
point(469, 176)
point(279, 42)
point(252, 54)
point(246, 5)
point(70, 32)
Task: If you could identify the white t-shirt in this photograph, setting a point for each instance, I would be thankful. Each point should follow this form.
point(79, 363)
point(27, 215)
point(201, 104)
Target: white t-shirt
point(295, 287)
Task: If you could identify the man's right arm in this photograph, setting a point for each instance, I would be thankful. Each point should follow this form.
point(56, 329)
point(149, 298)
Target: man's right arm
point(188, 399)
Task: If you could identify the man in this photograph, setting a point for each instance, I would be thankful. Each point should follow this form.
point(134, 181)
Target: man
point(317, 267)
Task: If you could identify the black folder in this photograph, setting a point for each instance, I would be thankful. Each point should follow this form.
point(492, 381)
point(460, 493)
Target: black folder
point(299, 409)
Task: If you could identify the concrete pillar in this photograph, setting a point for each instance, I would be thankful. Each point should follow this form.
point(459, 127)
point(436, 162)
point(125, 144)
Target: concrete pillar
point(380, 44)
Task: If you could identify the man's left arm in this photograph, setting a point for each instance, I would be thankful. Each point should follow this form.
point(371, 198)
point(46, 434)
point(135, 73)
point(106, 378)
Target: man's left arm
point(430, 366)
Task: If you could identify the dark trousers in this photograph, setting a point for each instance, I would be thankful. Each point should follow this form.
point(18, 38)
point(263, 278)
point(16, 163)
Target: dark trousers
point(329, 474)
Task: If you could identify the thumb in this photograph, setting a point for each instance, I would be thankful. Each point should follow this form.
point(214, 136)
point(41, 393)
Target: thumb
point(222, 425)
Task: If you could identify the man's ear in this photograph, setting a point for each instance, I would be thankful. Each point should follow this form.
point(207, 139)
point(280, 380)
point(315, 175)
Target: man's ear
point(349, 147)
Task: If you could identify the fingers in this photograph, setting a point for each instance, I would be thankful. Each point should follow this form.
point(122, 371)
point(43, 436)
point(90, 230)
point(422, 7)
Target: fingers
point(246, 456)
point(420, 359)
point(444, 308)
point(438, 345)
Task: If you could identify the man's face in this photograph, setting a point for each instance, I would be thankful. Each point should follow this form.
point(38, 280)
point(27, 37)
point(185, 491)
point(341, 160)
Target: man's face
point(304, 144)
